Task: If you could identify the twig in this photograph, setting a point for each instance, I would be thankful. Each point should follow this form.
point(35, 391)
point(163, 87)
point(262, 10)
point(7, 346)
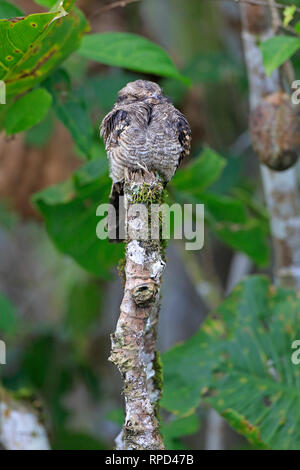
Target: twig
point(20, 428)
point(275, 6)
point(280, 6)
point(280, 188)
point(134, 341)
point(111, 6)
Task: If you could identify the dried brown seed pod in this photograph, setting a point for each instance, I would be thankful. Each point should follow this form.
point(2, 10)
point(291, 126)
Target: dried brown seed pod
point(275, 131)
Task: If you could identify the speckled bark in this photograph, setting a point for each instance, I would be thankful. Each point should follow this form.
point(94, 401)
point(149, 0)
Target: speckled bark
point(281, 191)
point(134, 341)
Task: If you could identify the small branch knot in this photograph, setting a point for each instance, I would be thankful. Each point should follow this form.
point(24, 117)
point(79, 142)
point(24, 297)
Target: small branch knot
point(144, 293)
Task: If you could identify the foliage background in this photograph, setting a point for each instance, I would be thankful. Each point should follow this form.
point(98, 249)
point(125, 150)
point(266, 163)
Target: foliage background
point(60, 292)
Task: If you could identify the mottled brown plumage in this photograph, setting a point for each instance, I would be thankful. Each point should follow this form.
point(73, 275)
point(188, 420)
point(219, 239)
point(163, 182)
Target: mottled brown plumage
point(144, 132)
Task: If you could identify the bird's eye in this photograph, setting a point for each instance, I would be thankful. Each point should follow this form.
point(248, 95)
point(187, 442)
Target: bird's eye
point(120, 99)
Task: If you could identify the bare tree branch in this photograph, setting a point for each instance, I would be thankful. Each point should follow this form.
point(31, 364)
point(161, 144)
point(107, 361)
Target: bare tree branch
point(280, 6)
point(134, 341)
point(113, 5)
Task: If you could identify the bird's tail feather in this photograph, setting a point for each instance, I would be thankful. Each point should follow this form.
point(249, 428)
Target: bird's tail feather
point(116, 214)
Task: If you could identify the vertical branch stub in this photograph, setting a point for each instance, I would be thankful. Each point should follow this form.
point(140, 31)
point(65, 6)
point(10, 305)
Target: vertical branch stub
point(134, 341)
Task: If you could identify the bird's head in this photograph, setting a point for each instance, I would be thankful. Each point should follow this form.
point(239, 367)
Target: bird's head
point(140, 90)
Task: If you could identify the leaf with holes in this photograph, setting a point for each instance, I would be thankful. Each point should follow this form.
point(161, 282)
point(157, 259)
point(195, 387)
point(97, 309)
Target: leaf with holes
point(240, 361)
point(36, 44)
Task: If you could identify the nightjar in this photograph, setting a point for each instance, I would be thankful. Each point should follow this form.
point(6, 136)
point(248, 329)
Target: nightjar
point(144, 132)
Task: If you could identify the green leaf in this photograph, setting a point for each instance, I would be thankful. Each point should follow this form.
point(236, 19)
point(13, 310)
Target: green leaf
point(72, 111)
point(27, 111)
point(201, 173)
point(35, 45)
point(8, 316)
point(8, 10)
point(188, 369)
point(297, 27)
point(69, 210)
point(249, 238)
point(277, 50)
point(39, 359)
point(116, 416)
point(176, 428)
point(130, 51)
point(88, 173)
point(241, 359)
point(288, 14)
point(224, 208)
point(39, 135)
point(228, 217)
point(46, 3)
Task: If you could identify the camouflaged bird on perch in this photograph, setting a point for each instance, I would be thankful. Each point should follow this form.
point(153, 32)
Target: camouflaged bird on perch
point(143, 133)
point(146, 138)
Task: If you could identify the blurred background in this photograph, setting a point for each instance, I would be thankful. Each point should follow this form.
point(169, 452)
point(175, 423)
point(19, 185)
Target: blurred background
point(58, 339)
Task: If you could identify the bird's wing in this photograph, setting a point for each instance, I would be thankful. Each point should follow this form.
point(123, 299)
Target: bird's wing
point(184, 136)
point(113, 124)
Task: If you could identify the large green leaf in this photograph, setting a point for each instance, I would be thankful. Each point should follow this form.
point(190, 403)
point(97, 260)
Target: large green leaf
point(249, 237)
point(188, 369)
point(130, 51)
point(8, 10)
point(39, 135)
point(69, 210)
point(277, 50)
point(46, 3)
point(71, 109)
point(33, 46)
point(228, 217)
point(201, 173)
point(27, 111)
point(240, 361)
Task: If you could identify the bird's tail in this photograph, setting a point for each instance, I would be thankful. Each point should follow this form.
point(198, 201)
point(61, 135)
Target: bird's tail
point(116, 214)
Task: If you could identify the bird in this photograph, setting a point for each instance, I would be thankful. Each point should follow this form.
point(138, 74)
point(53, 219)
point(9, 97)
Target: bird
point(143, 132)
